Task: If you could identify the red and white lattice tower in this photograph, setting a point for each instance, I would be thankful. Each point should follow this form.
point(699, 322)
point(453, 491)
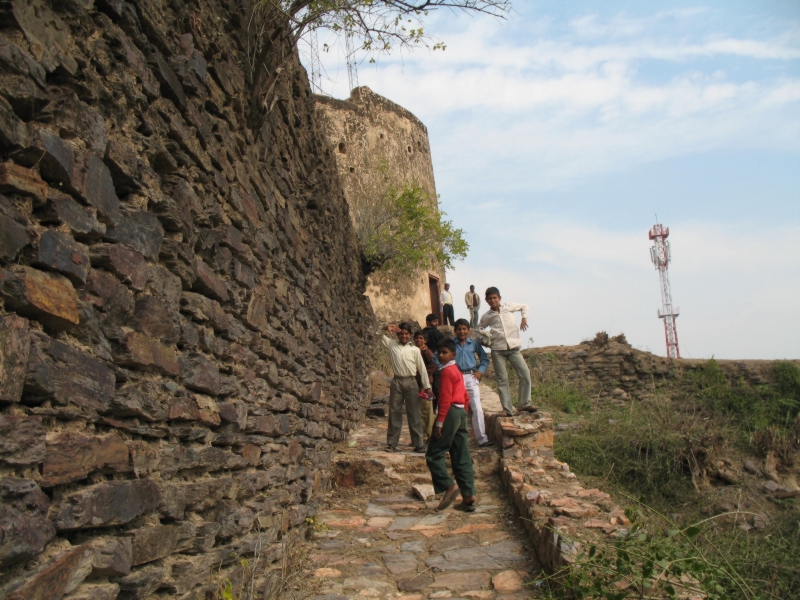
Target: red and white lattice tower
point(661, 256)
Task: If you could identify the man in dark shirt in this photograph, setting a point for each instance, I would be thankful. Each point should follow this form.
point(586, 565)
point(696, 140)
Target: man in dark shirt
point(432, 334)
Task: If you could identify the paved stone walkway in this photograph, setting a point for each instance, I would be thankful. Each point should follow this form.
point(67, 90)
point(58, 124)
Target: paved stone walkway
point(377, 539)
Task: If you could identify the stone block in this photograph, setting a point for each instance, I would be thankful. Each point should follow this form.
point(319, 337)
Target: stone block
point(195, 407)
point(208, 282)
point(152, 543)
point(269, 425)
point(142, 352)
point(13, 132)
point(15, 179)
point(22, 440)
point(123, 164)
point(13, 238)
point(96, 187)
point(63, 254)
point(170, 85)
point(15, 345)
point(112, 556)
point(141, 231)
point(142, 400)
point(105, 505)
point(174, 459)
point(151, 317)
point(53, 579)
point(141, 583)
point(95, 591)
point(124, 262)
point(106, 293)
point(199, 374)
point(234, 411)
point(23, 535)
point(203, 310)
point(54, 157)
point(46, 297)
point(72, 456)
point(66, 375)
point(81, 221)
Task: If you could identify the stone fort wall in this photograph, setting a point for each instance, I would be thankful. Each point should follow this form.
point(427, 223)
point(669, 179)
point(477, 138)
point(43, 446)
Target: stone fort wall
point(182, 321)
point(375, 143)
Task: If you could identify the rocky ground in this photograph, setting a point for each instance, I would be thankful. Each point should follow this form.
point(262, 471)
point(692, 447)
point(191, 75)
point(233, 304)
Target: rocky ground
point(377, 538)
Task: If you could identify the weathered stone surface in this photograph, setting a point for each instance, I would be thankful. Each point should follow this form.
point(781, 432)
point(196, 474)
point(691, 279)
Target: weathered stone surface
point(66, 375)
point(81, 221)
point(22, 440)
point(152, 317)
point(14, 348)
point(54, 157)
point(55, 578)
point(13, 238)
point(112, 556)
point(63, 254)
point(97, 188)
point(15, 179)
point(105, 504)
point(139, 230)
point(126, 263)
point(24, 528)
point(46, 297)
point(195, 407)
point(209, 283)
point(462, 581)
point(141, 583)
point(415, 583)
point(141, 351)
point(13, 133)
point(152, 543)
point(199, 374)
point(95, 591)
point(72, 456)
point(123, 164)
point(143, 400)
point(234, 411)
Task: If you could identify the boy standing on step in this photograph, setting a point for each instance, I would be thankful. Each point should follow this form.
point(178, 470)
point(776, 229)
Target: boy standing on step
point(450, 435)
point(406, 363)
point(506, 345)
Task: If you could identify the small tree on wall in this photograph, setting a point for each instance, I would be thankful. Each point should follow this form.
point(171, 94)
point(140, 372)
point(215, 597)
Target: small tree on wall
point(403, 231)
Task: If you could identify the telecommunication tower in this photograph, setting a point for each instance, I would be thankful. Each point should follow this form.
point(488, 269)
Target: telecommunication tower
point(352, 68)
point(661, 255)
point(316, 69)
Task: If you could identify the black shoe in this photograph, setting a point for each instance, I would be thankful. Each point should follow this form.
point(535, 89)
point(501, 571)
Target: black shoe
point(390, 449)
point(486, 444)
point(529, 408)
point(420, 449)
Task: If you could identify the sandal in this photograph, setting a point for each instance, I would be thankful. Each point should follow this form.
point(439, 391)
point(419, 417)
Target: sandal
point(467, 508)
point(390, 449)
point(448, 498)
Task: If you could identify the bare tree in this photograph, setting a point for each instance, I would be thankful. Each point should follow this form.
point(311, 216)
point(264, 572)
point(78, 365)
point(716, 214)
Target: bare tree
point(379, 26)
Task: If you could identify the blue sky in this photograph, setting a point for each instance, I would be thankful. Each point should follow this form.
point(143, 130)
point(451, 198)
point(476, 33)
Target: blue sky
point(557, 135)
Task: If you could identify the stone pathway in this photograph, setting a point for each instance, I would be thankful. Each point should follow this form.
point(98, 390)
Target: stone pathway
point(376, 539)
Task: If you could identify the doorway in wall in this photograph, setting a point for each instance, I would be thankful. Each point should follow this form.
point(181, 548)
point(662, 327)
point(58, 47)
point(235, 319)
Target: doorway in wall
point(433, 284)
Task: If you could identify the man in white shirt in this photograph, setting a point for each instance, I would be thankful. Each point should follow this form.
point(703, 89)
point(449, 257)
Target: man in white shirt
point(506, 345)
point(406, 362)
point(473, 302)
point(447, 306)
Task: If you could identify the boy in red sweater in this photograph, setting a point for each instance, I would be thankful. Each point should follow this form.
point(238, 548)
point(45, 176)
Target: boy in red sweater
point(450, 435)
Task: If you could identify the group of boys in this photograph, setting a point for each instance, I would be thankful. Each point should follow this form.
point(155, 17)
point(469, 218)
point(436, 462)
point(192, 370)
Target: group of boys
point(438, 381)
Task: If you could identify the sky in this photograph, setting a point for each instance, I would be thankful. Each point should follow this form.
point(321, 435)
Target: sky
point(558, 135)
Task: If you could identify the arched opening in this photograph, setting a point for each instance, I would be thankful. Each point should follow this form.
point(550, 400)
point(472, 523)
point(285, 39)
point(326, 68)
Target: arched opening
point(409, 148)
point(342, 148)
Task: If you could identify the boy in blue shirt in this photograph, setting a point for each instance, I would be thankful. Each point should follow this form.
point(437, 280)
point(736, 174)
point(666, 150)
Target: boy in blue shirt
point(472, 369)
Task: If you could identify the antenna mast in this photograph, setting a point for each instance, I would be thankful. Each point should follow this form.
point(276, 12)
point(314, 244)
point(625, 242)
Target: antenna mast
point(316, 70)
point(352, 68)
point(661, 256)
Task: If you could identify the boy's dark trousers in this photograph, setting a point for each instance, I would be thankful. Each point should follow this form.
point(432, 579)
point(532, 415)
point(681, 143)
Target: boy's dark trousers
point(404, 389)
point(448, 315)
point(454, 441)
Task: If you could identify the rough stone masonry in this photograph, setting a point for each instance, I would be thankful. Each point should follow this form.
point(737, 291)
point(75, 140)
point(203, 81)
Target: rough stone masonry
point(182, 323)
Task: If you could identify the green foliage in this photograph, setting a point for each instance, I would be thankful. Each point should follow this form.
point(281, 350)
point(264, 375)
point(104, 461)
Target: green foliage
point(752, 408)
point(408, 233)
point(563, 396)
point(641, 449)
point(648, 565)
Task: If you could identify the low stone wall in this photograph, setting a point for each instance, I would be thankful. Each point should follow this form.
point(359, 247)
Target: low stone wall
point(559, 514)
point(614, 368)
